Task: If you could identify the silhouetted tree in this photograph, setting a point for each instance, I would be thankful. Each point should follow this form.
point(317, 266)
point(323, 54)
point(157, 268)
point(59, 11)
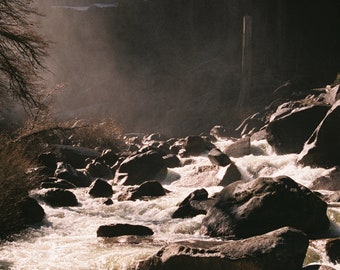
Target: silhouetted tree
point(22, 51)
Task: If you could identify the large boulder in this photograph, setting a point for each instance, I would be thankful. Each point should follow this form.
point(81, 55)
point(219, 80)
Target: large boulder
point(245, 209)
point(146, 190)
point(228, 175)
point(143, 167)
point(100, 170)
point(32, 211)
point(115, 230)
point(67, 172)
point(100, 188)
point(323, 147)
point(290, 127)
point(194, 146)
point(48, 159)
point(282, 249)
point(218, 158)
point(239, 148)
point(327, 182)
point(59, 198)
point(196, 203)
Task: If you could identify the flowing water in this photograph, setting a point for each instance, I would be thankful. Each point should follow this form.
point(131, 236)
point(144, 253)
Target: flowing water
point(67, 239)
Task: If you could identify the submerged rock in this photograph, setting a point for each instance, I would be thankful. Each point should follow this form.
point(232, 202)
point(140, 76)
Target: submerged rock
point(115, 230)
point(282, 249)
point(245, 209)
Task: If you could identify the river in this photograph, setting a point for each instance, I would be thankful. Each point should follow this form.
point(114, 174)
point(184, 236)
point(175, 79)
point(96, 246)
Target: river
point(67, 239)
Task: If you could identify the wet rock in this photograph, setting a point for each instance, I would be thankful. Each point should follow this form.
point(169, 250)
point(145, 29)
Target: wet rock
point(290, 127)
point(328, 182)
point(317, 267)
point(333, 250)
point(100, 170)
point(48, 159)
point(194, 146)
point(100, 188)
point(218, 158)
point(156, 137)
point(115, 230)
point(229, 174)
point(75, 155)
point(57, 183)
point(108, 202)
point(142, 167)
point(32, 211)
point(196, 203)
point(145, 190)
point(239, 148)
point(219, 132)
point(59, 198)
point(245, 209)
point(67, 172)
point(282, 249)
point(251, 125)
point(172, 161)
point(323, 147)
point(108, 157)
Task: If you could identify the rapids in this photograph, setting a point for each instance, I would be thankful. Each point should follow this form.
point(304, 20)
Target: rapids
point(67, 238)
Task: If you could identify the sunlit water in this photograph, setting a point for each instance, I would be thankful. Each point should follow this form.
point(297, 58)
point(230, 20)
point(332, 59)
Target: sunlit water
point(67, 239)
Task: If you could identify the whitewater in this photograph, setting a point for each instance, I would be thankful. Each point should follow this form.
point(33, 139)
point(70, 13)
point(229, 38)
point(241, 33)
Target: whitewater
point(67, 238)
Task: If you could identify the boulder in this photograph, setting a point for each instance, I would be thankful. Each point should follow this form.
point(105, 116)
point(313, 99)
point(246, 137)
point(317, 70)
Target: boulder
point(228, 175)
point(75, 155)
point(239, 148)
point(220, 132)
point(245, 209)
point(323, 147)
point(328, 182)
point(108, 157)
point(100, 188)
point(317, 267)
point(48, 159)
point(196, 203)
point(60, 197)
point(100, 170)
point(142, 167)
point(218, 158)
point(32, 211)
point(172, 161)
point(289, 128)
point(282, 249)
point(194, 146)
point(67, 172)
point(333, 250)
point(57, 183)
point(115, 230)
point(146, 190)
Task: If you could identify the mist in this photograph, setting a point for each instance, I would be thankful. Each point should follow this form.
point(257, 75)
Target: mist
point(162, 66)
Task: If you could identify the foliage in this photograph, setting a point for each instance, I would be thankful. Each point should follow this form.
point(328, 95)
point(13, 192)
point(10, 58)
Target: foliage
point(21, 53)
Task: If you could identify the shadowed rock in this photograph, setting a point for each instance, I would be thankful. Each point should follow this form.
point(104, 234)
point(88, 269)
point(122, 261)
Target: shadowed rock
point(100, 188)
point(115, 230)
point(59, 197)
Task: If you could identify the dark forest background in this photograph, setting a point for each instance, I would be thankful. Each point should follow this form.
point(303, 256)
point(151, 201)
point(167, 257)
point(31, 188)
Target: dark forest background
point(175, 65)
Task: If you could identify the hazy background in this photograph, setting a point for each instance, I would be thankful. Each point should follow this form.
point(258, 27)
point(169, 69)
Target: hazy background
point(174, 65)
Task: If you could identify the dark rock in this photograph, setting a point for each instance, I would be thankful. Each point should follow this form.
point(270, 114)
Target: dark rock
point(250, 125)
point(282, 249)
point(59, 197)
point(333, 250)
point(100, 170)
point(245, 209)
point(108, 202)
point(219, 132)
point(48, 159)
point(32, 211)
point(58, 183)
point(143, 167)
point(196, 203)
point(323, 147)
point(75, 155)
point(328, 182)
point(172, 161)
point(290, 128)
point(230, 175)
point(67, 172)
point(218, 158)
point(194, 145)
point(100, 188)
point(156, 137)
point(108, 157)
point(115, 230)
point(239, 148)
point(147, 189)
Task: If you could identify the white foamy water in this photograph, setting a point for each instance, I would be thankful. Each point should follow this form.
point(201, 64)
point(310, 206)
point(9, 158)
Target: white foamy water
point(67, 239)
